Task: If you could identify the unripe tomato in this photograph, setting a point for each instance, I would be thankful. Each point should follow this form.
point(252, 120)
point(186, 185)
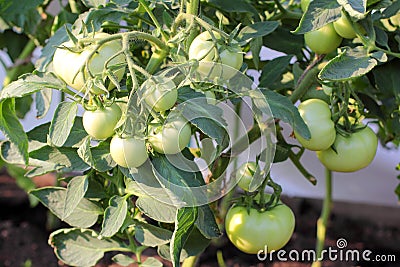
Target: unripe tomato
point(160, 93)
point(351, 153)
point(245, 174)
point(253, 231)
point(323, 40)
point(100, 123)
point(343, 28)
point(203, 49)
point(170, 138)
point(317, 116)
point(128, 152)
point(67, 64)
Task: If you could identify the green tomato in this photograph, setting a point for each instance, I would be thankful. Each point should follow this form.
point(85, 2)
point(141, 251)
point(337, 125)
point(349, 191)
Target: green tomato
point(351, 153)
point(160, 93)
point(100, 123)
point(203, 49)
point(245, 174)
point(317, 116)
point(343, 28)
point(67, 64)
point(128, 152)
point(323, 40)
point(253, 231)
point(170, 138)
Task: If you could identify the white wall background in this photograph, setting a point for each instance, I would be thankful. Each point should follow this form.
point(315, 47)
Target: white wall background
point(374, 184)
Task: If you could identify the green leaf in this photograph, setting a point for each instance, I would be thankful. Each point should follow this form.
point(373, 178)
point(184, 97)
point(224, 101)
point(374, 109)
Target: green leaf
point(283, 109)
point(184, 224)
point(31, 83)
point(318, 14)
point(255, 49)
point(284, 41)
point(82, 247)
point(386, 77)
point(150, 235)
point(207, 118)
point(75, 138)
point(206, 223)
point(123, 260)
point(94, 3)
point(42, 102)
point(62, 123)
point(227, 6)
point(355, 8)
point(195, 245)
point(25, 16)
point(83, 216)
point(258, 29)
point(351, 63)
point(12, 129)
point(273, 70)
point(114, 216)
point(97, 157)
point(22, 181)
point(76, 190)
point(156, 210)
point(151, 262)
point(56, 159)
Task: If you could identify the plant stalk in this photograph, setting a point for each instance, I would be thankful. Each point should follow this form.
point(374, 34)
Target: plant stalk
point(190, 261)
point(322, 222)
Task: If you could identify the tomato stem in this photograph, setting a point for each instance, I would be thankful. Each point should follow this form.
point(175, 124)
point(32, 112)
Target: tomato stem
point(154, 19)
point(322, 222)
point(296, 161)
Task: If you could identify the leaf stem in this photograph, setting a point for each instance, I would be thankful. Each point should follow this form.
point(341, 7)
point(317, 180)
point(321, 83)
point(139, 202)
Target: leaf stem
point(296, 161)
point(323, 219)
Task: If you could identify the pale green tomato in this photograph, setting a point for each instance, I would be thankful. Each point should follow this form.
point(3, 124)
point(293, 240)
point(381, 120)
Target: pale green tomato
point(343, 28)
point(170, 138)
point(160, 93)
point(323, 40)
point(128, 152)
point(100, 123)
point(203, 49)
point(67, 64)
point(317, 116)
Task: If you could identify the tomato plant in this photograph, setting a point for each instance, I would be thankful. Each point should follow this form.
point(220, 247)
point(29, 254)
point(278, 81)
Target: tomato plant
point(323, 40)
point(209, 48)
point(171, 137)
point(317, 115)
point(100, 123)
point(195, 92)
point(251, 230)
point(69, 62)
point(350, 153)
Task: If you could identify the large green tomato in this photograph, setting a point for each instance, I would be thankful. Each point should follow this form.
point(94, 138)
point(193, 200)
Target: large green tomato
point(128, 152)
point(100, 123)
point(170, 138)
point(343, 28)
point(351, 153)
point(203, 49)
point(160, 93)
point(67, 64)
point(245, 174)
point(317, 116)
point(253, 231)
point(323, 40)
